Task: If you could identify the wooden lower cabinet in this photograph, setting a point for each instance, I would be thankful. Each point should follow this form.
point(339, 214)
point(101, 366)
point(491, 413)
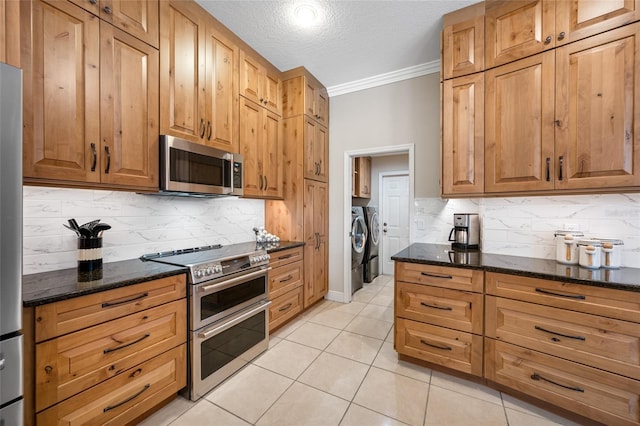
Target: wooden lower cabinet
point(285, 307)
point(440, 276)
point(591, 392)
point(125, 397)
point(285, 286)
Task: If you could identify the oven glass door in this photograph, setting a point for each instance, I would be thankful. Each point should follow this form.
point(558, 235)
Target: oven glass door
point(220, 298)
point(225, 347)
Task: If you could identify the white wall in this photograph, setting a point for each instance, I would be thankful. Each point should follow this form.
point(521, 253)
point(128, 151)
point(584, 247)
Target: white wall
point(140, 223)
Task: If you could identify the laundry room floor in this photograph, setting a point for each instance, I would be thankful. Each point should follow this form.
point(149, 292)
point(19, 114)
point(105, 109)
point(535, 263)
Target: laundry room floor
point(335, 365)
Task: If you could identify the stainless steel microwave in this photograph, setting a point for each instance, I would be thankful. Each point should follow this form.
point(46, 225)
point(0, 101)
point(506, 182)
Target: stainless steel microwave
point(188, 168)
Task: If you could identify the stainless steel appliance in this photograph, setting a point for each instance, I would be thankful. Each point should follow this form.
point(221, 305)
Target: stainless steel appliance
point(465, 233)
point(228, 309)
point(358, 236)
point(11, 401)
point(188, 168)
point(371, 258)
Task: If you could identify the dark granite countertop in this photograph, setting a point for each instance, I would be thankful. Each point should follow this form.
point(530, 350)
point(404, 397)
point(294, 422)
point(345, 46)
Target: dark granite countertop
point(53, 286)
point(442, 255)
point(283, 245)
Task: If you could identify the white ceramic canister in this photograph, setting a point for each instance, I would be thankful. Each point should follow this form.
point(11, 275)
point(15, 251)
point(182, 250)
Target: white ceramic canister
point(590, 253)
point(611, 252)
point(567, 246)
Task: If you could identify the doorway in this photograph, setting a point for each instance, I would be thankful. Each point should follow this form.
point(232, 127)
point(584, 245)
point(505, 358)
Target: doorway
point(394, 214)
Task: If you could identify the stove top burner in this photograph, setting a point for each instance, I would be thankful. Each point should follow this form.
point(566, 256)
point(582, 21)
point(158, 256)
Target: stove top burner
point(152, 256)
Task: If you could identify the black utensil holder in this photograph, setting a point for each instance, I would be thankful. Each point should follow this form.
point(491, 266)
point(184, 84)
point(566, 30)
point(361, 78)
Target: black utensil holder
point(89, 254)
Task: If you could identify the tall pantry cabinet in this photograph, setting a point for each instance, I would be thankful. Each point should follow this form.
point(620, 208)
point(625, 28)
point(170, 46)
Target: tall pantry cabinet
point(303, 213)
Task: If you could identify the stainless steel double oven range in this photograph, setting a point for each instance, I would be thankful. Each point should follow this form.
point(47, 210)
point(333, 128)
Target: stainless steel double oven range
point(228, 309)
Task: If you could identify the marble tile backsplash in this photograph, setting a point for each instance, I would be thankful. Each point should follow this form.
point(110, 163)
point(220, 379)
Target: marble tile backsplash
point(524, 226)
point(140, 223)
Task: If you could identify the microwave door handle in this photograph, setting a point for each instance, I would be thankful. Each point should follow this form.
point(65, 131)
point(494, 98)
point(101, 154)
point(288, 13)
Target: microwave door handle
point(230, 283)
point(234, 320)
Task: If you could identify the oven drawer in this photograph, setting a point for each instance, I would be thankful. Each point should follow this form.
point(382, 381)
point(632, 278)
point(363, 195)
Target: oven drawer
point(125, 397)
point(456, 309)
point(440, 276)
point(285, 307)
point(284, 257)
point(72, 363)
point(439, 345)
point(66, 316)
point(284, 279)
point(593, 393)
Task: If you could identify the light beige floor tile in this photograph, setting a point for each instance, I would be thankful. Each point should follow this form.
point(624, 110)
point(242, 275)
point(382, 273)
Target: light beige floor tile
point(303, 405)
point(351, 308)
point(204, 413)
point(360, 416)
point(387, 359)
point(288, 358)
point(332, 318)
point(288, 328)
point(386, 291)
point(364, 296)
point(356, 347)
point(465, 387)
point(390, 336)
point(369, 327)
point(334, 374)
point(382, 300)
point(168, 413)
point(515, 404)
point(250, 392)
point(451, 408)
point(317, 308)
point(393, 395)
point(377, 312)
point(274, 341)
point(314, 335)
point(518, 418)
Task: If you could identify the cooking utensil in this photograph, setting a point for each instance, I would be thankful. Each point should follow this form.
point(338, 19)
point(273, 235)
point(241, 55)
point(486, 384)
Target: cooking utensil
point(97, 230)
point(74, 230)
point(90, 225)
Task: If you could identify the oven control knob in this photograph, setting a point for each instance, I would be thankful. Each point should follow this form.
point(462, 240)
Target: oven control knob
point(199, 273)
point(209, 270)
point(218, 269)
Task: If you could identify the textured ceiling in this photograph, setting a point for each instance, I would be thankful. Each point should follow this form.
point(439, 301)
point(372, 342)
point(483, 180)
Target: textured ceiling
point(354, 40)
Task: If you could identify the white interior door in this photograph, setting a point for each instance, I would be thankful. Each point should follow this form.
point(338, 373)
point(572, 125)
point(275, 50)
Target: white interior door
point(394, 211)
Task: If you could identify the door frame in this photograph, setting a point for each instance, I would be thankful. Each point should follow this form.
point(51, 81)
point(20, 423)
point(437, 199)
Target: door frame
point(382, 175)
point(346, 219)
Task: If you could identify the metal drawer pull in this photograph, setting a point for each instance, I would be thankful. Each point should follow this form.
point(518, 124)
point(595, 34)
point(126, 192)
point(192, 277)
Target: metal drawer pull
point(444, 348)
point(448, 277)
point(113, 407)
point(569, 296)
point(122, 302)
point(106, 351)
point(288, 278)
point(106, 150)
point(95, 157)
point(537, 327)
point(285, 307)
point(536, 376)
point(444, 308)
point(285, 257)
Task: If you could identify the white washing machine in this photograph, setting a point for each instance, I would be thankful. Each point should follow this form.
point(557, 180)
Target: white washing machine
point(358, 236)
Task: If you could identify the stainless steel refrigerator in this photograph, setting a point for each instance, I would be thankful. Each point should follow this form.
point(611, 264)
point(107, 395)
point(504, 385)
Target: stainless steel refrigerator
point(11, 402)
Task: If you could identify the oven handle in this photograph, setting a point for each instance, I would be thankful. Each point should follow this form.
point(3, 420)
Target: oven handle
point(230, 283)
point(228, 323)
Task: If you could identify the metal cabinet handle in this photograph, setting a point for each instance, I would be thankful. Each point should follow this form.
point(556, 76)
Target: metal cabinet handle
point(287, 278)
point(537, 327)
point(536, 376)
point(266, 183)
point(287, 256)
point(107, 10)
point(568, 296)
point(261, 183)
point(561, 36)
point(548, 175)
point(106, 170)
point(209, 130)
point(561, 160)
point(426, 274)
point(443, 308)
point(285, 307)
point(93, 1)
point(122, 302)
point(547, 40)
point(444, 348)
point(95, 157)
point(108, 350)
point(202, 128)
point(132, 397)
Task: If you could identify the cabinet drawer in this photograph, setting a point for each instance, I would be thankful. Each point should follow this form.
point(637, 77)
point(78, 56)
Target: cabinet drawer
point(66, 316)
point(72, 363)
point(442, 346)
point(123, 398)
point(285, 307)
point(593, 393)
point(439, 306)
point(605, 343)
point(620, 304)
point(284, 279)
point(283, 257)
point(440, 276)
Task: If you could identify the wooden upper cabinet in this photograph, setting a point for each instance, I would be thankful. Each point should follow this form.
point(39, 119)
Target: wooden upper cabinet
point(129, 122)
point(303, 94)
point(517, 28)
point(519, 125)
point(260, 83)
point(463, 135)
point(463, 41)
point(136, 17)
point(316, 151)
point(61, 64)
point(10, 32)
point(362, 173)
point(598, 111)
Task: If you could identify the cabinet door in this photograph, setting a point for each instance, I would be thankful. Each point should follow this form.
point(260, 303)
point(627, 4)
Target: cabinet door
point(463, 135)
point(309, 97)
point(322, 106)
point(10, 32)
point(137, 17)
point(463, 47)
point(519, 125)
point(311, 165)
point(250, 78)
point(272, 156)
point(315, 232)
point(128, 110)
point(363, 165)
point(221, 93)
point(517, 28)
point(577, 19)
point(321, 152)
point(271, 91)
point(251, 131)
point(61, 64)
point(182, 65)
point(598, 111)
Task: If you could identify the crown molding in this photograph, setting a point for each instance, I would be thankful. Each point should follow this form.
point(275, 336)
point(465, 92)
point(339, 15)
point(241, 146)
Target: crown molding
point(382, 79)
